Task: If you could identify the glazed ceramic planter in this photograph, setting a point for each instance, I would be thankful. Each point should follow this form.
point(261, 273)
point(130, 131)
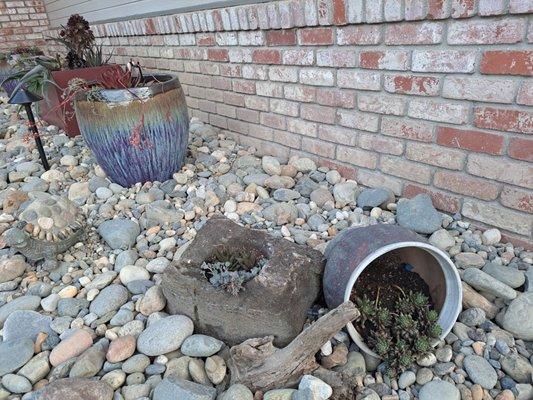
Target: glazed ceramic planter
point(64, 116)
point(157, 112)
point(353, 250)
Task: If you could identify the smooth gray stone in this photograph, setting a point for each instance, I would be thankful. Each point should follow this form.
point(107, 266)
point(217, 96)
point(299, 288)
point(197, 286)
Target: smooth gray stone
point(14, 354)
point(26, 324)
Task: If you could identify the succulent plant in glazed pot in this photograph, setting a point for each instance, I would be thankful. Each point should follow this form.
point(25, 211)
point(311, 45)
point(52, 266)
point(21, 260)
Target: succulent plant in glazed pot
point(137, 127)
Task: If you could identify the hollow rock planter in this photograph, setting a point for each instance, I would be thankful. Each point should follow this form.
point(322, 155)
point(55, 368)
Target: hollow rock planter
point(275, 302)
point(350, 252)
point(158, 112)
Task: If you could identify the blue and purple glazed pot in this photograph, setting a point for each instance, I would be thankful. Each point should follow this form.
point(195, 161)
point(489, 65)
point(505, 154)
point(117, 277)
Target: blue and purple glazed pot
point(138, 134)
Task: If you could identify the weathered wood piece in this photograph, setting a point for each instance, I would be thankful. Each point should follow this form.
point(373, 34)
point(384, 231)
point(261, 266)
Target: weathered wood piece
point(259, 365)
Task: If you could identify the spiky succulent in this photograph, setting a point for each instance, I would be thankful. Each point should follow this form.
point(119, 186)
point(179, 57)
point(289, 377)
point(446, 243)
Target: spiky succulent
point(402, 333)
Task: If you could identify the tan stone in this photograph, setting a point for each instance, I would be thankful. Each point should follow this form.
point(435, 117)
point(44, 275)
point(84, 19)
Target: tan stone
point(72, 346)
point(121, 348)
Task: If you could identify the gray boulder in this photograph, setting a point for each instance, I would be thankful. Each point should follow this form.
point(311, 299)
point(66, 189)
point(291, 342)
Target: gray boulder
point(419, 215)
point(119, 233)
point(172, 388)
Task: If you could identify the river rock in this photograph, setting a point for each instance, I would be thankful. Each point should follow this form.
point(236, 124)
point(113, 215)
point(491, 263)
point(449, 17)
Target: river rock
point(109, 299)
point(130, 273)
point(74, 389)
point(215, 368)
point(119, 233)
point(484, 282)
point(508, 275)
point(165, 335)
point(517, 367)
point(491, 237)
point(89, 363)
point(14, 354)
point(26, 323)
point(442, 239)
point(121, 348)
point(238, 392)
point(370, 198)
point(439, 390)
point(201, 346)
point(20, 303)
point(480, 371)
point(70, 347)
point(37, 368)
point(172, 388)
point(418, 214)
point(11, 268)
point(345, 193)
point(469, 260)
point(16, 383)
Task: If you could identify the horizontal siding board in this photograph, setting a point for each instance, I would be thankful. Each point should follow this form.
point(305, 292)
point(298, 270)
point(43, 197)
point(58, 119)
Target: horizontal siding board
point(97, 11)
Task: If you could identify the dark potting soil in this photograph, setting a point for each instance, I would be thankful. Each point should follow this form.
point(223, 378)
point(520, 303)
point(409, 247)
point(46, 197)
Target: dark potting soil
point(385, 279)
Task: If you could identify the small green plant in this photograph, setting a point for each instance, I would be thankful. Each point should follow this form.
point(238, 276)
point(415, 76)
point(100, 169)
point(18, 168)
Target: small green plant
point(230, 270)
point(401, 334)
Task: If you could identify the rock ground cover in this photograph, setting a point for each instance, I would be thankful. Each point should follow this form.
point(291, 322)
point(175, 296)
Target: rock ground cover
point(95, 327)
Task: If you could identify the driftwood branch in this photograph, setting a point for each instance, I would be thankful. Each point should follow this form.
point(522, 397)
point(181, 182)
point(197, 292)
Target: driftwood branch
point(257, 364)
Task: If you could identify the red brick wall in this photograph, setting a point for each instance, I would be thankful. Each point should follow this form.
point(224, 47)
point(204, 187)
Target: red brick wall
point(426, 96)
point(22, 23)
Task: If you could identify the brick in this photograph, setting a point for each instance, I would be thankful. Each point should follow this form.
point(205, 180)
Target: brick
point(262, 16)
point(217, 55)
point(480, 89)
point(444, 61)
point(355, 156)
point(483, 31)
point(412, 84)
point(378, 179)
point(235, 99)
point(317, 113)
point(415, 10)
point(414, 33)
point(521, 149)
point(359, 35)
point(336, 58)
point(243, 86)
point(389, 59)
point(282, 37)
point(241, 127)
point(256, 103)
point(251, 38)
point(518, 199)
point(283, 74)
point(405, 169)
point(407, 128)
point(218, 121)
point(520, 6)
point(525, 93)
point(253, 21)
point(467, 185)
point(513, 62)
point(374, 11)
point(231, 70)
point(316, 77)
point(288, 139)
point(274, 21)
point(243, 18)
point(285, 15)
point(205, 39)
point(438, 9)
point(226, 110)
point(298, 57)
point(346, 171)
point(355, 11)
point(492, 7)
point(310, 12)
point(508, 120)
point(441, 200)
point(336, 134)
point(269, 89)
point(273, 120)
point(508, 171)
point(254, 71)
point(381, 144)
point(393, 10)
point(439, 111)
point(264, 56)
point(339, 12)
point(358, 120)
point(300, 93)
point(284, 107)
point(248, 115)
point(318, 147)
point(207, 106)
point(325, 12)
point(218, 82)
point(435, 155)
point(480, 142)
point(381, 104)
point(336, 97)
point(302, 127)
point(355, 79)
point(498, 216)
point(315, 36)
point(463, 8)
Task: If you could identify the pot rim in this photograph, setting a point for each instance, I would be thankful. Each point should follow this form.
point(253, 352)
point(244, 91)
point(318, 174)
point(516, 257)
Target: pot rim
point(163, 83)
point(447, 315)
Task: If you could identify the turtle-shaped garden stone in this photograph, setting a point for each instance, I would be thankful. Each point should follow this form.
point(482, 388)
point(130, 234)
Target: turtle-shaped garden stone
point(46, 225)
